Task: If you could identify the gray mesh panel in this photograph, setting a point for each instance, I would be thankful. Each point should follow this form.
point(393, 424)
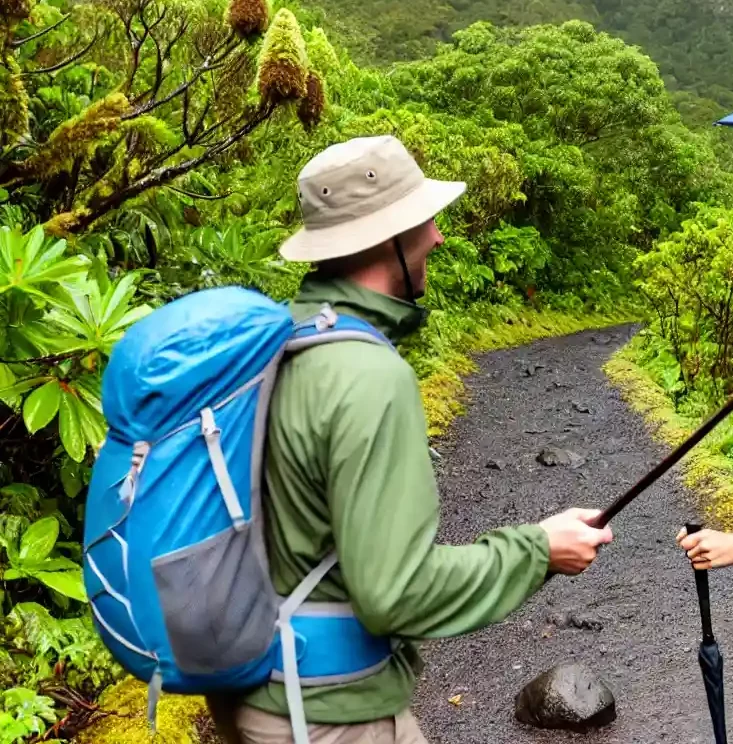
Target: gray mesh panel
point(219, 606)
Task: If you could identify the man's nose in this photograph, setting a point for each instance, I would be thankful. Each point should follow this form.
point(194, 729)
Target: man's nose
point(438, 236)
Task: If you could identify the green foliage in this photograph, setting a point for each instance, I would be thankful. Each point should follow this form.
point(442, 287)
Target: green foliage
point(688, 280)
point(691, 42)
point(42, 648)
point(13, 103)
point(69, 322)
point(172, 88)
point(153, 165)
point(32, 560)
point(23, 713)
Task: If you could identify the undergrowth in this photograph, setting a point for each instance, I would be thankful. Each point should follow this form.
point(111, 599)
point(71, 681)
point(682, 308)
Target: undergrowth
point(707, 470)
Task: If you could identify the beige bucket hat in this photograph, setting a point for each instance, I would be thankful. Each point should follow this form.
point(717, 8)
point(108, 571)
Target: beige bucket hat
point(358, 194)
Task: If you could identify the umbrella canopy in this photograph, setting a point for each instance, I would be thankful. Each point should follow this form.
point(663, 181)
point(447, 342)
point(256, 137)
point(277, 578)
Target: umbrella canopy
point(726, 121)
point(710, 658)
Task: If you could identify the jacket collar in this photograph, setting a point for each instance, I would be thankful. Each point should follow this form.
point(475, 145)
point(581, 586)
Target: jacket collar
point(395, 318)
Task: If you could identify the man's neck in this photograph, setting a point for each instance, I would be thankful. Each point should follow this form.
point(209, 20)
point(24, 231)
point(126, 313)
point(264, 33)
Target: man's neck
point(379, 280)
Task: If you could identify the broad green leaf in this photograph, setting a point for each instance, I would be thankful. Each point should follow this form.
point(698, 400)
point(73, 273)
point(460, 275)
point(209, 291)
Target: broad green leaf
point(41, 406)
point(7, 380)
point(92, 424)
point(68, 583)
point(71, 478)
point(13, 574)
point(132, 316)
point(72, 435)
point(69, 271)
point(66, 317)
point(11, 395)
point(3, 195)
point(11, 730)
point(120, 295)
point(20, 499)
point(52, 564)
point(89, 390)
point(38, 541)
point(33, 244)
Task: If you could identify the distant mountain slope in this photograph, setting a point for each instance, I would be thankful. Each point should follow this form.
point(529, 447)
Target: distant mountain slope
point(690, 40)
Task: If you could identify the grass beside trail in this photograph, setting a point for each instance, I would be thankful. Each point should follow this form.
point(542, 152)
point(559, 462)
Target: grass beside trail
point(706, 470)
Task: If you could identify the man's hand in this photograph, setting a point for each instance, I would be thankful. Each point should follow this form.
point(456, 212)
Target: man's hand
point(707, 548)
point(573, 542)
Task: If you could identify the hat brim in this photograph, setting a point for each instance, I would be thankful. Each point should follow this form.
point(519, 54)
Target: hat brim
point(362, 233)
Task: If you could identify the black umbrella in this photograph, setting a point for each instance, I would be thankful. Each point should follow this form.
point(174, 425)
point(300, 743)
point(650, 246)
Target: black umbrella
point(710, 658)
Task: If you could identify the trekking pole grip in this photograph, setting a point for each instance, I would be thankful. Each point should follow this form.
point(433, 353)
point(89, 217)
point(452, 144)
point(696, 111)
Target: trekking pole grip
point(703, 593)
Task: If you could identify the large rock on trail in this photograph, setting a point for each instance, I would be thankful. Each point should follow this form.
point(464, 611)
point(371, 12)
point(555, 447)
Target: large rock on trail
point(556, 457)
point(568, 696)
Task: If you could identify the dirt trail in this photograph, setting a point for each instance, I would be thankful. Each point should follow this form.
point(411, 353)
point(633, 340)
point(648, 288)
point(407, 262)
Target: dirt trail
point(639, 598)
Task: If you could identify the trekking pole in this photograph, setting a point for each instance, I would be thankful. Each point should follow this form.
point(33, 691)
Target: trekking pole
point(623, 501)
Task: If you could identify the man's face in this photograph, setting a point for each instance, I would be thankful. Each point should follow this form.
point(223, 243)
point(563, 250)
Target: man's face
point(417, 244)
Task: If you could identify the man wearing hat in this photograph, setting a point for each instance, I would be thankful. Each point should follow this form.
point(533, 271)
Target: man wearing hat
point(349, 467)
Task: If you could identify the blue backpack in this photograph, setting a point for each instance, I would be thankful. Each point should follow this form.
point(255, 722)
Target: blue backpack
point(175, 565)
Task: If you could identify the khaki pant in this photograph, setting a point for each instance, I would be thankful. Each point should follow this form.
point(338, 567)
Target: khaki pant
point(245, 725)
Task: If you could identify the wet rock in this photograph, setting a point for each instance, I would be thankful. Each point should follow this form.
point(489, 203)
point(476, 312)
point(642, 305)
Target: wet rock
point(496, 464)
point(569, 696)
point(571, 620)
point(554, 457)
point(531, 369)
point(601, 340)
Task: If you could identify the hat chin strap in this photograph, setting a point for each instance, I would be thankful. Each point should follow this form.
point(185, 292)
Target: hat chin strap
point(409, 290)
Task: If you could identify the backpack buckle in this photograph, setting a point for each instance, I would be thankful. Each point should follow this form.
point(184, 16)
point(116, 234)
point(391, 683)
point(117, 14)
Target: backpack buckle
point(326, 319)
point(208, 424)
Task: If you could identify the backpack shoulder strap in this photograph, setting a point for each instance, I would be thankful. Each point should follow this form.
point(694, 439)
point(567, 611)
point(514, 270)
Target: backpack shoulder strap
point(329, 327)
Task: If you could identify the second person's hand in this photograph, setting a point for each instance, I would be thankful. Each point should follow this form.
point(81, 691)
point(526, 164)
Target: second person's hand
point(707, 549)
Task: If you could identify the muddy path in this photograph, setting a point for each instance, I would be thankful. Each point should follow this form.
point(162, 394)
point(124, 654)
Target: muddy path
point(638, 599)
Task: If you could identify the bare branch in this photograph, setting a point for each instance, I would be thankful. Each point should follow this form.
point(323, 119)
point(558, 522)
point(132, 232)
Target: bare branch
point(164, 175)
point(17, 43)
point(182, 28)
point(206, 134)
point(199, 126)
point(186, 103)
point(49, 359)
point(152, 105)
point(65, 63)
point(205, 197)
point(74, 183)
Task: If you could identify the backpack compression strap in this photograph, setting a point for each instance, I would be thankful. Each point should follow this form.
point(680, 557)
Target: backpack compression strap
point(326, 327)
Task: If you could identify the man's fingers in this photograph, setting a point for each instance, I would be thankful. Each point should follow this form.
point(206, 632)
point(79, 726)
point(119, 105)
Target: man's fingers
point(604, 536)
point(681, 535)
point(588, 516)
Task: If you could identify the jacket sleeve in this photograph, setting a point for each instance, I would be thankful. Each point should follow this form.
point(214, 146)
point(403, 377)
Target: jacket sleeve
point(384, 507)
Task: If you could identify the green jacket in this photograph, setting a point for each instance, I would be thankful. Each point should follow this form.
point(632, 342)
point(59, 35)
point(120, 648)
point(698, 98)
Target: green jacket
point(348, 465)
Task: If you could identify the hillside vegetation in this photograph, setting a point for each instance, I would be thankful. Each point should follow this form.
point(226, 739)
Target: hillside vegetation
point(692, 42)
point(149, 149)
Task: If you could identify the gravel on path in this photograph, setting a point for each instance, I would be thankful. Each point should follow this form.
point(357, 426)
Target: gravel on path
point(633, 616)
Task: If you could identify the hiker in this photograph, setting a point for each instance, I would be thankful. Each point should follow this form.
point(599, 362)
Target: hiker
point(707, 549)
point(349, 467)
